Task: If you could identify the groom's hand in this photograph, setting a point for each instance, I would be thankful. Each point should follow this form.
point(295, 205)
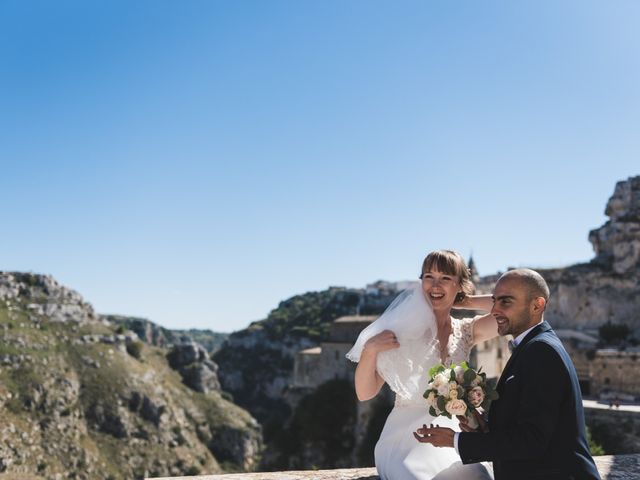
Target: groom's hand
point(465, 425)
point(436, 436)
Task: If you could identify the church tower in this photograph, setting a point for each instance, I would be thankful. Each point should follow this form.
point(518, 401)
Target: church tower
point(475, 278)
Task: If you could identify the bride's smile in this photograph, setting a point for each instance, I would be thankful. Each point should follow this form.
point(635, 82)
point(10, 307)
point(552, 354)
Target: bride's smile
point(440, 288)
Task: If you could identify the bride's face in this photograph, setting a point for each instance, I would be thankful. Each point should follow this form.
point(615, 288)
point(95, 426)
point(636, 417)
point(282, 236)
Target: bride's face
point(440, 289)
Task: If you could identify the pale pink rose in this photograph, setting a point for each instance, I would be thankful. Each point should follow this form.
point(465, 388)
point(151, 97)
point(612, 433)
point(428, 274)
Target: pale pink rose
point(453, 390)
point(476, 396)
point(456, 407)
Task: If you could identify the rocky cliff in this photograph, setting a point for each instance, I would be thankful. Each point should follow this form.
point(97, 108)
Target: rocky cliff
point(83, 398)
point(585, 296)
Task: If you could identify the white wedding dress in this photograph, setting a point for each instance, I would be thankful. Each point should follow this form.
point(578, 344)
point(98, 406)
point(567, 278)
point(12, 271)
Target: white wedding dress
point(398, 455)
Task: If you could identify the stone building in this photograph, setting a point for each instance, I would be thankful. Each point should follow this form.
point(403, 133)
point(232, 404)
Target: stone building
point(613, 370)
point(314, 366)
point(491, 355)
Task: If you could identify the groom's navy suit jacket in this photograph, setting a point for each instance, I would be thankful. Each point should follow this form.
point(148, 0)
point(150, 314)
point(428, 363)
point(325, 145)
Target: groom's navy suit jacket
point(536, 427)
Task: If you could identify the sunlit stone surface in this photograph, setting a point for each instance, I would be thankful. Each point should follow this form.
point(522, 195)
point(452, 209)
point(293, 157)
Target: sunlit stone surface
point(611, 467)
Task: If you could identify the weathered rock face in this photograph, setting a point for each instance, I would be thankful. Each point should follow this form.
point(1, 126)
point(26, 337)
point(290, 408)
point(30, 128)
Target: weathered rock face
point(198, 371)
point(586, 297)
point(43, 296)
point(77, 402)
point(617, 242)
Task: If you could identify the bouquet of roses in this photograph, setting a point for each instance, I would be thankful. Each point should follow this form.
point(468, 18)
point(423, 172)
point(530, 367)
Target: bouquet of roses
point(458, 390)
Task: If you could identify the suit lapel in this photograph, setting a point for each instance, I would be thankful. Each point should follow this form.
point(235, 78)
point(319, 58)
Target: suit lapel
point(543, 327)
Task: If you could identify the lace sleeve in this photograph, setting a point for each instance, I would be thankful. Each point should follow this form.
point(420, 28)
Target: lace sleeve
point(466, 327)
point(467, 330)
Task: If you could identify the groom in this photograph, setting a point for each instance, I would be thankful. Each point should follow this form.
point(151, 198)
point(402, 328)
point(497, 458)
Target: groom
point(536, 427)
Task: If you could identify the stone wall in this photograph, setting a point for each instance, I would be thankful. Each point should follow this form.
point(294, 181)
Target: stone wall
point(618, 431)
point(615, 370)
point(611, 467)
point(347, 329)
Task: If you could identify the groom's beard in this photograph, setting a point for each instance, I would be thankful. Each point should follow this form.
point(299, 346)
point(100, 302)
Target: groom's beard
point(513, 325)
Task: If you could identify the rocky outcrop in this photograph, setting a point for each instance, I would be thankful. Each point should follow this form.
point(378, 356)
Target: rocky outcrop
point(146, 330)
point(41, 296)
point(198, 371)
point(83, 398)
point(617, 242)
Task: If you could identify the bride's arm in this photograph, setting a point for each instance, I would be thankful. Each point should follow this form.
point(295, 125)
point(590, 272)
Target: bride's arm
point(484, 328)
point(367, 380)
point(476, 302)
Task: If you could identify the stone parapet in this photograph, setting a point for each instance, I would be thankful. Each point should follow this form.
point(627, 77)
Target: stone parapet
point(611, 467)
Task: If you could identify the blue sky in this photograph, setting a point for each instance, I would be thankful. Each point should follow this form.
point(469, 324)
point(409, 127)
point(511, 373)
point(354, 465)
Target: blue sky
point(197, 162)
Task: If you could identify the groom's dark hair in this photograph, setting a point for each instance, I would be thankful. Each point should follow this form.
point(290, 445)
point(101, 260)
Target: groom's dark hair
point(536, 285)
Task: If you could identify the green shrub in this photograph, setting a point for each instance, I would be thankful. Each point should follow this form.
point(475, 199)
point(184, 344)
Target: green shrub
point(193, 470)
point(594, 446)
point(135, 349)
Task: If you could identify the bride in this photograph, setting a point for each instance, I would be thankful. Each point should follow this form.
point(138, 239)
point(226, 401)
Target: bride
point(415, 333)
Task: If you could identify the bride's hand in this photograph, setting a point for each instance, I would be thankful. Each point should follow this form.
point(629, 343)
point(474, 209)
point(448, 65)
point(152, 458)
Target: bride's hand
point(385, 340)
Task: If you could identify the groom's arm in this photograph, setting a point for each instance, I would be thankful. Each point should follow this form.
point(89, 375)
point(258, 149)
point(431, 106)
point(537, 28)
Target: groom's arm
point(545, 383)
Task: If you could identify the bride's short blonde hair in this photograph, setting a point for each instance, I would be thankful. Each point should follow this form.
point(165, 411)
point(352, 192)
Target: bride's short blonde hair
point(451, 263)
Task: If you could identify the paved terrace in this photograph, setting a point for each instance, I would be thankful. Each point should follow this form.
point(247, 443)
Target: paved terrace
point(611, 467)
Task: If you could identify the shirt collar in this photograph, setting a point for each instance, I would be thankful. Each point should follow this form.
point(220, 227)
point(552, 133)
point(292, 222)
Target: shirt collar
point(520, 337)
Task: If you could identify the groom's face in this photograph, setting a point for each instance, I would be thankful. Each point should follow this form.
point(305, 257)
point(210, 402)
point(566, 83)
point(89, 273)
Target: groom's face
point(511, 307)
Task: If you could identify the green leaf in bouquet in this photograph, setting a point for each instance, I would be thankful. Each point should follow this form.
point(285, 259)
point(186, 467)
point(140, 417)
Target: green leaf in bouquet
point(427, 392)
point(436, 369)
point(469, 376)
point(460, 392)
point(452, 377)
point(465, 366)
point(432, 412)
point(441, 403)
